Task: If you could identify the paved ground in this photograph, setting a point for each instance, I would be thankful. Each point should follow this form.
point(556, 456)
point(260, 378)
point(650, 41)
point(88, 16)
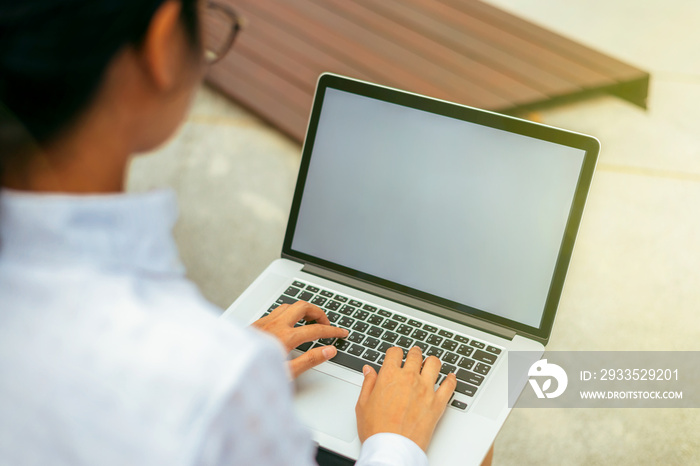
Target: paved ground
point(634, 282)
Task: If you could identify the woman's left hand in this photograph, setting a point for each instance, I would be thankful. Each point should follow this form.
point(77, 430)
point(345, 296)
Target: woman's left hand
point(280, 323)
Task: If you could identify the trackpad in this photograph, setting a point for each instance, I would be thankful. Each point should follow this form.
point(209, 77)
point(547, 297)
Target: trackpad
point(327, 404)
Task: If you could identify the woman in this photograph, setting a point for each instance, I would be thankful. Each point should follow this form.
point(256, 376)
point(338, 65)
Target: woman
point(108, 355)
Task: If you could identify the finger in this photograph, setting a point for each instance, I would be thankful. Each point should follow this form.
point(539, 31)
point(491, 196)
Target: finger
point(368, 384)
point(311, 358)
point(414, 358)
point(307, 311)
point(431, 369)
point(278, 310)
point(315, 331)
point(446, 389)
point(393, 358)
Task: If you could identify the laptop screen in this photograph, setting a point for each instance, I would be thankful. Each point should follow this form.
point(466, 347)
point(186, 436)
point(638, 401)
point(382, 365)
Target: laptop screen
point(469, 213)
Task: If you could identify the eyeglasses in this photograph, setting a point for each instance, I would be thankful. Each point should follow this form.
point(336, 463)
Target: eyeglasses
point(220, 26)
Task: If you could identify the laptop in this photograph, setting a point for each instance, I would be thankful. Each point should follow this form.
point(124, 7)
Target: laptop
point(417, 221)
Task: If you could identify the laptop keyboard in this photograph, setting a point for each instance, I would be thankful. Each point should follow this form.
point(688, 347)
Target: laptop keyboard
point(373, 330)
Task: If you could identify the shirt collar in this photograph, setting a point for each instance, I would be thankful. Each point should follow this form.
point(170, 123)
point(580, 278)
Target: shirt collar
point(114, 230)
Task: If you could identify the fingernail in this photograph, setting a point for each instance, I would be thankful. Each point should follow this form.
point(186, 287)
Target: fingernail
point(328, 352)
point(365, 370)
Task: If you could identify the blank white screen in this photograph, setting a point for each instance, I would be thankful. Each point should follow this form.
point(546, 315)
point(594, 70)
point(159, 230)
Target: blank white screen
point(462, 211)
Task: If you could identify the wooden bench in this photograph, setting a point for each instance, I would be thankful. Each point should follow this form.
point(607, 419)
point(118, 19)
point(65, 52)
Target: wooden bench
point(464, 51)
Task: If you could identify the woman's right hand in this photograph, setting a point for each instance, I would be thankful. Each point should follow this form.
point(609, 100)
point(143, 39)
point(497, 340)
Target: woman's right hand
point(403, 400)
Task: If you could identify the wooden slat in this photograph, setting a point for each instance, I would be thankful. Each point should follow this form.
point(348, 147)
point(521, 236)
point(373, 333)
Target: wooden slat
point(513, 45)
point(459, 50)
point(472, 74)
point(563, 46)
point(442, 29)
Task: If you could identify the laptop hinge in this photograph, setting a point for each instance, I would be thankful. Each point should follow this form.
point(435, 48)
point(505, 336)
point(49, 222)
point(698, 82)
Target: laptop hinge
point(411, 301)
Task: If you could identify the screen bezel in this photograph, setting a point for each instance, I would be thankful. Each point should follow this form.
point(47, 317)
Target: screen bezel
point(588, 144)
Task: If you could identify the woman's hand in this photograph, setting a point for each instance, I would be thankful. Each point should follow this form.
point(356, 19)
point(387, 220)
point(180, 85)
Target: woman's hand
point(280, 323)
point(403, 400)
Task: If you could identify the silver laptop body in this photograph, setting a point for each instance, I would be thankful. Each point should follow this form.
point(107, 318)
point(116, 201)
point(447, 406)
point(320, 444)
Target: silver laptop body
point(415, 217)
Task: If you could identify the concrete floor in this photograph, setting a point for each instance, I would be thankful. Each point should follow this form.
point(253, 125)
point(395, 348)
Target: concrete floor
point(633, 282)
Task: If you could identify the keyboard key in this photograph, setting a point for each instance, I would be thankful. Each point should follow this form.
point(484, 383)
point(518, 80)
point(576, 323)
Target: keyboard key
point(333, 316)
point(298, 284)
point(493, 349)
point(445, 333)
point(414, 323)
point(326, 293)
point(380, 361)
point(478, 344)
point(286, 300)
point(390, 336)
point(447, 368)
point(305, 296)
point(360, 314)
point(370, 342)
point(404, 329)
point(375, 319)
point(352, 362)
point(355, 303)
point(319, 300)
point(367, 307)
point(483, 356)
point(312, 288)
point(355, 350)
point(305, 346)
point(326, 341)
point(347, 310)
point(470, 377)
point(272, 308)
point(464, 388)
point(383, 346)
point(434, 340)
point(292, 291)
point(449, 345)
point(375, 331)
point(389, 324)
point(419, 334)
point(450, 358)
point(342, 345)
point(429, 328)
point(384, 313)
point(332, 305)
point(461, 339)
point(404, 342)
point(465, 350)
point(399, 318)
point(346, 322)
point(423, 346)
point(482, 368)
point(360, 326)
point(466, 363)
point(341, 299)
point(433, 351)
point(458, 404)
point(355, 337)
point(371, 355)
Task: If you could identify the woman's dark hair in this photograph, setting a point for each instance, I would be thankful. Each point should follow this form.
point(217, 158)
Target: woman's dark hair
point(53, 55)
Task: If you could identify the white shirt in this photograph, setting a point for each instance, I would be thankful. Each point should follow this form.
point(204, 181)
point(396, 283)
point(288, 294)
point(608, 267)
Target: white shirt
point(110, 356)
